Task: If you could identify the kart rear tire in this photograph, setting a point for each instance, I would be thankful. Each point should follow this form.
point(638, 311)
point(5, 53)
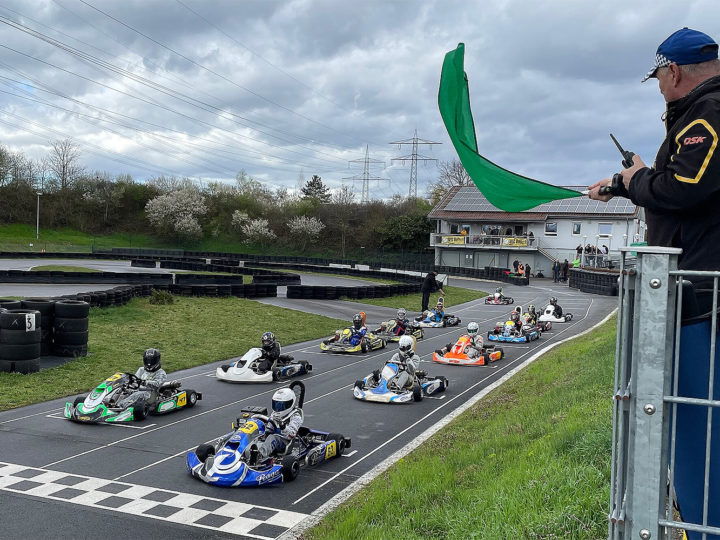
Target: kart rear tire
point(275, 374)
point(191, 399)
point(364, 346)
point(204, 451)
point(445, 383)
point(339, 443)
point(511, 300)
point(290, 468)
point(417, 393)
point(568, 317)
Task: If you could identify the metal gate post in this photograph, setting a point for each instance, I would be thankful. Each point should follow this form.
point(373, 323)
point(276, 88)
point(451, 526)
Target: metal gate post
point(652, 346)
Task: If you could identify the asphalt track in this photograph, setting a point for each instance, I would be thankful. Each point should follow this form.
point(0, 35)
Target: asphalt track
point(85, 478)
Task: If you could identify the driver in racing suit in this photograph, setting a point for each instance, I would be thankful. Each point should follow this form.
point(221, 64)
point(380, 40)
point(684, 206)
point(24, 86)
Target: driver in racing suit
point(531, 315)
point(152, 376)
point(270, 353)
point(515, 317)
point(438, 313)
point(358, 330)
point(285, 421)
point(499, 294)
point(399, 327)
point(407, 361)
point(474, 348)
point(557, 309)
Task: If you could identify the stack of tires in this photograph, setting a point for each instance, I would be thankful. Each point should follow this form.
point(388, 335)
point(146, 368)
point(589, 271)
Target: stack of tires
point(71, 328)
point(46, 307)
point(20, 340)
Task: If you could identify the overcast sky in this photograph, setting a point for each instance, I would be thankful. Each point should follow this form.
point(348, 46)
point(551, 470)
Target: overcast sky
point(205, 88)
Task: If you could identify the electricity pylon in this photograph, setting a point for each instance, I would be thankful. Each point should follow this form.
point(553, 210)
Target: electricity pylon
point(413, 158)
point(366, 161)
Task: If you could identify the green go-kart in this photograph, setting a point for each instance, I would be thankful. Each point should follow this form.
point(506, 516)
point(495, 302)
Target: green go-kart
point(124, 398)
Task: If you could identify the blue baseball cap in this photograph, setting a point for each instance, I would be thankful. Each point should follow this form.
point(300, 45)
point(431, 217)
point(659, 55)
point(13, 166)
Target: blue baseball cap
point(686, 46)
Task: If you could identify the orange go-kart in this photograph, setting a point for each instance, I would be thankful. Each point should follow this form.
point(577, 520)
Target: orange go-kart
point(457, 356)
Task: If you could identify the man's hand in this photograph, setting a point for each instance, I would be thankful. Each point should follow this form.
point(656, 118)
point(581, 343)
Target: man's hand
point(627, 174)
point(594, 190)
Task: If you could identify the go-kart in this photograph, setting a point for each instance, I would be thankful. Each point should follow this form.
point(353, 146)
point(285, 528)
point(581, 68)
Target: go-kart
point(233, 460)
point(457, 355)
point(499, 301)
point(548, 315)
point(340, 343)
point(387, 331)
point(246, 368)
point(380, 386)
point(542, 326)
point(102, 404)
point(427, 320)
point(507, 333)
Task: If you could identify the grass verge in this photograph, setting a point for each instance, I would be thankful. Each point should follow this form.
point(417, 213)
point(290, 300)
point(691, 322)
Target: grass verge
point(530, 460)
point(190, 332)
point(60, 268)
point(411, 302)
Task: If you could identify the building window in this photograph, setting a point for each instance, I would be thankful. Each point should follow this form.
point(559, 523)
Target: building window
point(465, 228)
point(519, 230)
point(604, 229)
point(551, 228)
point(576, 227)
point(454, 229)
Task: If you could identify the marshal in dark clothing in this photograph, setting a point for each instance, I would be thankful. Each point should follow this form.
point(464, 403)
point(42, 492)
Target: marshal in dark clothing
point(430, 285)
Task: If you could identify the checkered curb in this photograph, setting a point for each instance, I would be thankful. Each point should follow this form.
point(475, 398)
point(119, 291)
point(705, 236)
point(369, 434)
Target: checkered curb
point(182, 508)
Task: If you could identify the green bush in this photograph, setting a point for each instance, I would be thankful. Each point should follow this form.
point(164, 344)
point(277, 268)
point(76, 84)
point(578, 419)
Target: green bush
point(161, 298)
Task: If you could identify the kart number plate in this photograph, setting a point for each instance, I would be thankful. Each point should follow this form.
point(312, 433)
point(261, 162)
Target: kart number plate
point(249, 427)
point(330, 450)
point(182, 400)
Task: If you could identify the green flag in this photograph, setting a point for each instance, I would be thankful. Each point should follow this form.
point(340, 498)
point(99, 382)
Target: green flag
point(504, 189)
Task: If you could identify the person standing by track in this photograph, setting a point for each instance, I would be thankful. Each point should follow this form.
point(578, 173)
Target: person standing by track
point(430, 285)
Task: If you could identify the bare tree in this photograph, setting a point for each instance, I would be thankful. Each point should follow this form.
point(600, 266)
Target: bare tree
point(64, 163)
point(452, 173)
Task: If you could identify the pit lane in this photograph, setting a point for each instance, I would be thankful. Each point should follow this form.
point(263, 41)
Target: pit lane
point(151, 455)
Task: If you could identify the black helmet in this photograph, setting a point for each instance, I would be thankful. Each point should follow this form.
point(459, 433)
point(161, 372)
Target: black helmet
point(357, 322)
point(531, 309)
point(151, 360)
point(553, 300)
point(268, 340)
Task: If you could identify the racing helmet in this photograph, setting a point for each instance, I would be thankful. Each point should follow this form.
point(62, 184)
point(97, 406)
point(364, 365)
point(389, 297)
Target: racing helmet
point(357, 321)
point(498, 290)
point(531, 308)
point(283, 403)
point(405, 346)
point(401, 313)
point(473, 329)
point(151, 360)
point(515, 316)
point(268, 340)
point(553, 300)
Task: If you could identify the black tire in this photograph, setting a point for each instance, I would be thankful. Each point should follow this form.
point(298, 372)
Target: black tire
point(6, 303)
point(568, 317)
point(445, 383)
point(191, 398)
point(70, 350)
point(78, 401)
point(14, 319)
point(27, 366)
point(71, 338)
point(72, 309)
point(384, 344)
point(363, 346)
point(64, 324)
point(45, 306)
point(290, 468)
point(30, 351)
point(204, 451)
point(511, 300)
point(359, 384)
point(20, 337)
point(417, 393)
point(140, 412)
point(339, 443)
point(306, 365)
point(275, 374)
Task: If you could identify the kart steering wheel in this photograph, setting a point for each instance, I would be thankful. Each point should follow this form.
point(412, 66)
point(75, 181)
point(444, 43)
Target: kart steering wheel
point(134, 380)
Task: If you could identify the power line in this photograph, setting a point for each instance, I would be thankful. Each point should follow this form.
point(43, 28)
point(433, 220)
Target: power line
point(366, 161)
point(414, 158)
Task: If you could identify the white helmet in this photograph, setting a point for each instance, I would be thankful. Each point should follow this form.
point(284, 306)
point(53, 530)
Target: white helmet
point(283, 403)
point(473, 329)
point(401, 313)
point(405, 345)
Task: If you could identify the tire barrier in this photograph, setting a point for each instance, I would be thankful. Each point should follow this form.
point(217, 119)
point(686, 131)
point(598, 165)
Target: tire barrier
point(10, 304)
point(20, 333)
point(143, 263)
point(70, 331)
point(46, 307)
point(353, 293)
point(603, 282)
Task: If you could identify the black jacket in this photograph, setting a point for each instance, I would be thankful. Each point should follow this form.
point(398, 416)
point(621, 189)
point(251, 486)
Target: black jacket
point(681, 191)
point(430, 284)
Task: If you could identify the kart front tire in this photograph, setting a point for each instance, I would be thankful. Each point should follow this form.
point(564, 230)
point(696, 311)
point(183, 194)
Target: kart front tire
point(339, 443)
point(511, 300)
point(364, 347)
point(275, 374)
point(359, 384)
point(204, 451)
point(444, 383)
point(78, 401)
point(290, 468)
point(192, 399)
point(417, 393)
point(141, 412)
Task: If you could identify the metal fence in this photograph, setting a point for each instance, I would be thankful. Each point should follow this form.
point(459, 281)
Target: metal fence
point(666, 440)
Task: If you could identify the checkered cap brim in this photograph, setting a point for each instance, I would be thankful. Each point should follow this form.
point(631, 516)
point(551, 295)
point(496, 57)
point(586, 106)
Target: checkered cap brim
point(660, 61)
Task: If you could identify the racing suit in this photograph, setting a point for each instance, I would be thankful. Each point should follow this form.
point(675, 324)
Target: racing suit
point(152, 381)
point(437, 316)
point(408, 365)
point(475, 347)
point(277, 442)
point(356, 335)
point(557, 310)
point(269, 358)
